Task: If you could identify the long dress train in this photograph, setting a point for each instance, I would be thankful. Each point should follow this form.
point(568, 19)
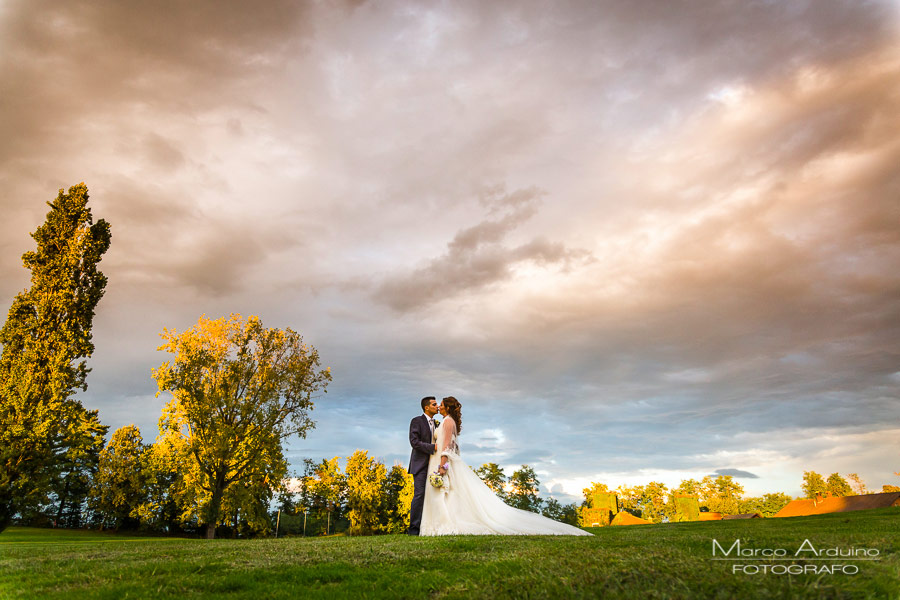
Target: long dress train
point(466, 506)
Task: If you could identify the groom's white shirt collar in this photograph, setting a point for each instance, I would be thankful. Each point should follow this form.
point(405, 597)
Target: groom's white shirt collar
point(427, 417)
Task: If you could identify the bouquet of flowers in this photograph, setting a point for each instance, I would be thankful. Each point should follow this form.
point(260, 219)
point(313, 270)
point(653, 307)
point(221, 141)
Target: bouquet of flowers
point(436, 479)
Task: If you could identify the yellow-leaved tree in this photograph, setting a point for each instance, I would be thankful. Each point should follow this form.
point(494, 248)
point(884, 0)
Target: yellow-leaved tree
point(399, 490)
point(589, 492)
point(366, 479)
point(238, 391)
point(722, 494)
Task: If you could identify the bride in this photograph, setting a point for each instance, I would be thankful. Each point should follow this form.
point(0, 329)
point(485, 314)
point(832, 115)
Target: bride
point(464, 504)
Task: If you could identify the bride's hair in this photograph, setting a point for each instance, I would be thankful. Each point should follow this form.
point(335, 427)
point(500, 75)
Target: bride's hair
point(454, 409)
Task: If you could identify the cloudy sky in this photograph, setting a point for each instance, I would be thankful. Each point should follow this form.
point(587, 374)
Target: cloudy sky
point(637, 240)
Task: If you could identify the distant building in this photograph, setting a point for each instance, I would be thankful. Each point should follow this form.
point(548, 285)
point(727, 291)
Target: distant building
point(626, 518)
point(823, 505)
point(710, 516)
point(744, 516)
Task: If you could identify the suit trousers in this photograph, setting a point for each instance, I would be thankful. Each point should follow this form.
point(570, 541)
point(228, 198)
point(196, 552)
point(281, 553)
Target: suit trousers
point(420, 480)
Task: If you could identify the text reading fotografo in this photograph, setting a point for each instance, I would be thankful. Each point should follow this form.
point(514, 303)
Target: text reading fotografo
point(750, 560)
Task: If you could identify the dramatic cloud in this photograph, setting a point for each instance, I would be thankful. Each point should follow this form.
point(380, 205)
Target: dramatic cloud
point(638, 241)
point(475, 257)
point(736, 473)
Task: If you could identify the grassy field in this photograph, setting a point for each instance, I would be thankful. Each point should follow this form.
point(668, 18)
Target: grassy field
point(650, 561)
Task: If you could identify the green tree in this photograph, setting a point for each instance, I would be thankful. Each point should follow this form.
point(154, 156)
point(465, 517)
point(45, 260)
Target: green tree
point(649, 501)
point(813, 484)
point(564, 513)
point(524, 488)
point(366, 479)
point(838, 486)
point(45, 434)
point(162, 509)
point(689, 487)
point(722, 494)
point(552, 509)
point(238, 390)
point(570, 514)
point(247, 502)
point(119, 487)
point(630, 499)
point(327, 489)
point(654, 503)
point(76, 468)
point(766, 505)
point(494, 477)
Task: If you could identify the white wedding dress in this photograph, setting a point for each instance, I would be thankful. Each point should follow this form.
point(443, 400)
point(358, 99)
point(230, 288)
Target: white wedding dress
point(464, 505)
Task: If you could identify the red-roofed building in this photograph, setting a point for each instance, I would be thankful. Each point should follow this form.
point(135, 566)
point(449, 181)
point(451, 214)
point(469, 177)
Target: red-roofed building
point(710, 516)
point(626, 518)
point(821, 506)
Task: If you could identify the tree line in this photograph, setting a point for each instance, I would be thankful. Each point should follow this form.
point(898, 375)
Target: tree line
point(238, 390)
point(722, 494)
point(656, 502)
point(368, 498)
point(835, 485)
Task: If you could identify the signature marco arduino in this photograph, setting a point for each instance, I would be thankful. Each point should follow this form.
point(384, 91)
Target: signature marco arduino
point(831, 560)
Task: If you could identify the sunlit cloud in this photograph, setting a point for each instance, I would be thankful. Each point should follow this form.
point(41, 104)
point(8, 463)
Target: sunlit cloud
point(637, 242)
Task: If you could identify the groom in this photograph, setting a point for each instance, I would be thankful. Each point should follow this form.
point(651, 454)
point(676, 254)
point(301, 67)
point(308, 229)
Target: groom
point(421, 438)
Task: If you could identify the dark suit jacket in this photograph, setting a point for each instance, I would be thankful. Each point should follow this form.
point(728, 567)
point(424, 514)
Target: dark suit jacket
point(420, 440)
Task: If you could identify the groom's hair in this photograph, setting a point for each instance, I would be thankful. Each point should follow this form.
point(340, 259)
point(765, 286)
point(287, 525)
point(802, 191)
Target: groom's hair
point(426, 401)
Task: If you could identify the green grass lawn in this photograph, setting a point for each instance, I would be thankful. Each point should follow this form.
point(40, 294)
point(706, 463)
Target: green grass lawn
point(649, 561)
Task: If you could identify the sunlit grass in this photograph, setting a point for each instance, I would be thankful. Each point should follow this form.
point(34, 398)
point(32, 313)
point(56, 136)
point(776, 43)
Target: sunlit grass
point(655, 561)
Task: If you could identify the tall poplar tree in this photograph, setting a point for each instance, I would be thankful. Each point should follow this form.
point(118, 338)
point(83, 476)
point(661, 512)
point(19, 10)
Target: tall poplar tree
point(46, 435)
